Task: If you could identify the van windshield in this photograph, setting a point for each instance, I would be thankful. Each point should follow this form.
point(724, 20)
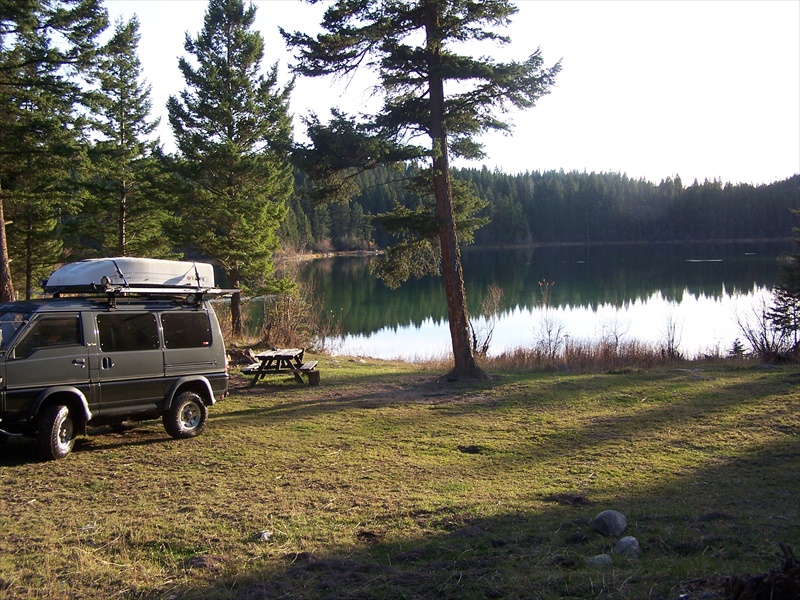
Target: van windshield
point(10, 323)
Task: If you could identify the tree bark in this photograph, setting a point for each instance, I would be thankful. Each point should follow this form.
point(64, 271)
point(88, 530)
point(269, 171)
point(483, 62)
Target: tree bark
point(236, 306)
point(6, 284)
point(122, 223)
point(465, 365)
point(29, 253)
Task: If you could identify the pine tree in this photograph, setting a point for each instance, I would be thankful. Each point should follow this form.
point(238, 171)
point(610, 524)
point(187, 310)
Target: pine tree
point(233, 131)
point(321, 227)
point(360, 226)
point(288, 232)
point(38, 182)
point(123, 215)
point(46, 51)
point(411, 45)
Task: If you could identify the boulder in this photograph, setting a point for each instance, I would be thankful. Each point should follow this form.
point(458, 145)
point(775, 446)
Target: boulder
point(628, 546)
point(601, 561)
point(610, 523)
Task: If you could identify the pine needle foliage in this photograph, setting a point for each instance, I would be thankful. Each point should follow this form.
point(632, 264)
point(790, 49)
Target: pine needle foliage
point(124, 214)
point(233, 130)
point(47, 51)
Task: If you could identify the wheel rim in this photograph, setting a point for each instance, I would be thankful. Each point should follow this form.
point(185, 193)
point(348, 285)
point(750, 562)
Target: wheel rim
point(190, 415)
point(66, 433)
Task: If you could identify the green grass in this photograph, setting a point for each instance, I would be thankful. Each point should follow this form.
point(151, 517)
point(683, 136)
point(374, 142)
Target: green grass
point(384, 482)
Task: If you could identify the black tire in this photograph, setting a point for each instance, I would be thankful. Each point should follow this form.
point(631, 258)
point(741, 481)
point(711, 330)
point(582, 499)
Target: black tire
point(56, 434)
point(186, 417)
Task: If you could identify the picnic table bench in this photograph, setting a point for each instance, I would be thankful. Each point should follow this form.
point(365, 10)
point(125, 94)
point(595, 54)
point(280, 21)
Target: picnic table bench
point(282, 360)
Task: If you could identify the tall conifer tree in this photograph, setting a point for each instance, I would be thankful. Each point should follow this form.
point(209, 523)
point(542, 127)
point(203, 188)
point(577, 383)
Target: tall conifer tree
point(123, 214)
point(46, 50)
point(411, 44)
point(233, 132)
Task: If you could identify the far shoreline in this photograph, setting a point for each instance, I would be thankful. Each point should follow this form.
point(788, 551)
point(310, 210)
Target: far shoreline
point(299, 257)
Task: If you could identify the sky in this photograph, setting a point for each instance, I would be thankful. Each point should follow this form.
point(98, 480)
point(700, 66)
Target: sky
point(653, 89)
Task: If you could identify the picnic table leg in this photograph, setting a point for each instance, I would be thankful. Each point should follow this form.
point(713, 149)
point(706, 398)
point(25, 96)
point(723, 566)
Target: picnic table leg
point(259, 373)
point(296, 371)
point(256, 377)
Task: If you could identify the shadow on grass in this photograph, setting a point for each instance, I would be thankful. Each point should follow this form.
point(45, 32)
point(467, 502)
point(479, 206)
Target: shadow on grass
point(23, 450)
point(428, 389)
point(543, 554)
point(723, 516)
point(424, 389)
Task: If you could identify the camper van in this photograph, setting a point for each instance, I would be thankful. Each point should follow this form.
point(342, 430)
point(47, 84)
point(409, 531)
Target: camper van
point(118, 339)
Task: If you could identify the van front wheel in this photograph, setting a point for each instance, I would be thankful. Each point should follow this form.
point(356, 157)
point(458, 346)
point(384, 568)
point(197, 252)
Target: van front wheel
point(187, 416)
point(56, 435)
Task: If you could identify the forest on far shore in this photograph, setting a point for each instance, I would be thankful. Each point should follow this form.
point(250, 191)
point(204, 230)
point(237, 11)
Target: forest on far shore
point(558, 207)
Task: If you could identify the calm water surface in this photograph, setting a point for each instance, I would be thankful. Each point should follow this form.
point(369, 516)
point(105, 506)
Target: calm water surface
point(633, 292)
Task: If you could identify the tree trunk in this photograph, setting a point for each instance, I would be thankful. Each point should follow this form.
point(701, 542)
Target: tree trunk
point(122, 222)
point(28, 253)
point(6, 284)
point(465, 365)
point(236, 306)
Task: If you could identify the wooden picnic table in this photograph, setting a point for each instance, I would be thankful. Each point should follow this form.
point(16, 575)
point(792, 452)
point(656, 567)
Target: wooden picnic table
point(283, 360)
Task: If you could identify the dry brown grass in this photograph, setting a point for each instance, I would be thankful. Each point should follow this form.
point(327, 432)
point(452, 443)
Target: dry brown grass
point(585, 357)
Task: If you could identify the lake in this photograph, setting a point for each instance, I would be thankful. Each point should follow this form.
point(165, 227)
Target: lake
point(635, 292)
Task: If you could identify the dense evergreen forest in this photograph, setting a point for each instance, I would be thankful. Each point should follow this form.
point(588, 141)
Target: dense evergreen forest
point(561, 207)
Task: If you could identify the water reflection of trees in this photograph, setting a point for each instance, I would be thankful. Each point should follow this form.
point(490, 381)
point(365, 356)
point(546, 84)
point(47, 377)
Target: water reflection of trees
point(586, 277)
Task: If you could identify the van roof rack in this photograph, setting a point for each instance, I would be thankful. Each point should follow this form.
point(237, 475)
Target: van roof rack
point(126, 276)
point(117, 291)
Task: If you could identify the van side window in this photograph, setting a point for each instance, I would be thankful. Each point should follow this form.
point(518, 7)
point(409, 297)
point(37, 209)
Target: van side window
point(122, 332)
point(50, 332)
point(186, 330)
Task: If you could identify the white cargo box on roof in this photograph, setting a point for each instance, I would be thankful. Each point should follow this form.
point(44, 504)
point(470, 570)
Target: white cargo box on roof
point(127, 274)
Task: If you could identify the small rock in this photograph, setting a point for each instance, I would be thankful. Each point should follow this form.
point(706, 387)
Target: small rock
point(610, 523)
point(601, 561)
point(628, 546)
point(265, 535)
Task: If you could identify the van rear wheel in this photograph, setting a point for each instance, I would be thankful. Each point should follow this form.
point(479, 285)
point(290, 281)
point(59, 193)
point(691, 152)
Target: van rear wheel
point(56, 434)
point(187, 416)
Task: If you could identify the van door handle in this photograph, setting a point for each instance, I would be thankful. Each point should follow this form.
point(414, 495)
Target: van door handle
point(107, 362)
point(79, 362)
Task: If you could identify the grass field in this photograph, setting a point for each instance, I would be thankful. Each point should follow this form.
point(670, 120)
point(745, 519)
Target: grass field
point(384, 482)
